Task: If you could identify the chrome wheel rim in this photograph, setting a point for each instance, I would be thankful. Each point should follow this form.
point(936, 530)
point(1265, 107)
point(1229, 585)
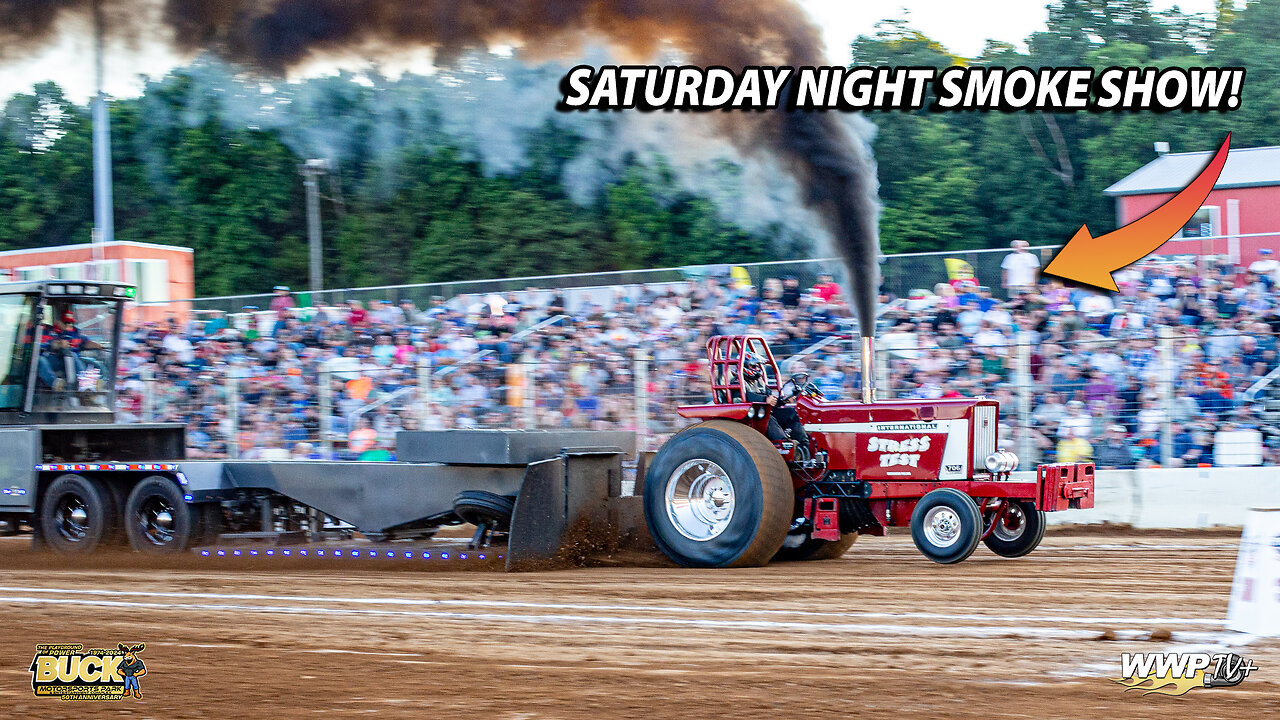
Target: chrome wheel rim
point(156, 520)
point(942, 526)
point(700, 500)
point(1011, 524)
point(72, 515)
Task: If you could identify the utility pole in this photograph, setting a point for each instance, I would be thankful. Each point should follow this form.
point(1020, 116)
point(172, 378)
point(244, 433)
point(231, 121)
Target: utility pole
point(103, 219)
point(311, 172)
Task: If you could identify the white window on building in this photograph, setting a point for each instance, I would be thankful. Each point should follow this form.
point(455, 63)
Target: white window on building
point(105, 270)
point(151, 278)
point(1207, 222)
point(32, 273)
point(67, 271)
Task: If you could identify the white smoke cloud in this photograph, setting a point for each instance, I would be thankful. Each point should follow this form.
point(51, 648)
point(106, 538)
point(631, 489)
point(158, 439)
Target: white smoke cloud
point(488, 105)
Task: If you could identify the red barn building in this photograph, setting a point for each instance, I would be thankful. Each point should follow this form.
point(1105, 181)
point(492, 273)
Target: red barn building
point(1234, 220)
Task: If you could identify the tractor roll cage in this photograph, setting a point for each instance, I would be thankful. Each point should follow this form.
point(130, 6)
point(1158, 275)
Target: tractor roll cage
point(726, 354)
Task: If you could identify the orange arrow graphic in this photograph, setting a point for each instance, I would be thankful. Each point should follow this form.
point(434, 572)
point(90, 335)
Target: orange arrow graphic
point(1091, 260)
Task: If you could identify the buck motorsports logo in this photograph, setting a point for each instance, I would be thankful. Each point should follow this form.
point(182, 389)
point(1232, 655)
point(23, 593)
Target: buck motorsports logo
point(1180, 673)
point(70, 672)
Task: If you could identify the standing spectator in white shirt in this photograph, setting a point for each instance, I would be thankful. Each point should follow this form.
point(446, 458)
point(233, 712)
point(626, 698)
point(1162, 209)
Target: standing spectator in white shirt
point(1076, 423)
point(1021, 268)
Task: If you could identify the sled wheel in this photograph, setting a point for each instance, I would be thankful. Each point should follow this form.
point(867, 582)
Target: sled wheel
point(811, 549)
point(75, 515)
point(718, 494)
point(480, 507)
point(946, 526)
point(1018, 531)
point(158, 520)
point(489, 512)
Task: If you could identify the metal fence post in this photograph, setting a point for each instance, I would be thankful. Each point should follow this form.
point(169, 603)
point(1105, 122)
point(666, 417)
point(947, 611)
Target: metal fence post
point(1164, 350)
point(424, 388)
point(1022, 385)
point(530, 395)
point(883, 389)
point(640, 374)
point(148, 394)
point(233, 416)
point(325, 388)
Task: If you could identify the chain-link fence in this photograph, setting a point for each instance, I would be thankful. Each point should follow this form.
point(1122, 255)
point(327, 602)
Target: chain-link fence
point(1180, 369)
point(901, 274)
point(1136, 403)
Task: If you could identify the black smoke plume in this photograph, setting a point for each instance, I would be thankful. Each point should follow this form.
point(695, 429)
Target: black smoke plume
point(276, 35)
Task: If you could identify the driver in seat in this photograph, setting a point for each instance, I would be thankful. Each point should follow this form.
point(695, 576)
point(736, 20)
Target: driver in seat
point(780, 417)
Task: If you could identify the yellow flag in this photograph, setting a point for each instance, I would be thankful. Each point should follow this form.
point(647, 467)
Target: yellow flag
point(958, 269)
point(741, 279)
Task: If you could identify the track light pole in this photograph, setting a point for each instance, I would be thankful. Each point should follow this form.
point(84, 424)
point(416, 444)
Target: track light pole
point(103, 215)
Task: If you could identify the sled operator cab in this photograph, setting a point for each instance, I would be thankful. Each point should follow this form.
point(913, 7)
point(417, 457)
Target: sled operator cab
point(735, 489)
point(58, 343)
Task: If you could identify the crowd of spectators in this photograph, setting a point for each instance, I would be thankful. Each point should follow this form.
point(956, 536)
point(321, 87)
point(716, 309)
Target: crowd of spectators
point(1080, 374)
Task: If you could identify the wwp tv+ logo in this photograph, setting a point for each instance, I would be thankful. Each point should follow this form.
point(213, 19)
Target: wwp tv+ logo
point(1180, 673)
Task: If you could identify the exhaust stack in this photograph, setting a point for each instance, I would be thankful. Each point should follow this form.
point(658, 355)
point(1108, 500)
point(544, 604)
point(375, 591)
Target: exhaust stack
point(868, 369)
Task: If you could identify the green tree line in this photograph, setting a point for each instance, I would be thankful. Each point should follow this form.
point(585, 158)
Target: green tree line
point(952, 180)
point(192, 169)
point(189, 172)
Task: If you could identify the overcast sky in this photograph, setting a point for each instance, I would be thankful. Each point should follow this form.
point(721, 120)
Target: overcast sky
point(961, 26)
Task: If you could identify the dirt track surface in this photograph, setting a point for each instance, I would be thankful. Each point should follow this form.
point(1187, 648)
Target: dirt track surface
point(881, 633)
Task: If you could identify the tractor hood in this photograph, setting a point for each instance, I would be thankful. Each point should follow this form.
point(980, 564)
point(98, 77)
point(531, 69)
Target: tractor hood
point(904, 439)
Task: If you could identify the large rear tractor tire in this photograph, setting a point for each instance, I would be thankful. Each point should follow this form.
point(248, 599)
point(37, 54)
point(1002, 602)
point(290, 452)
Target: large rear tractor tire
point(718, 494)
point(1018, 531)
point(158, 520)
point(946, 526)
point(77, 514)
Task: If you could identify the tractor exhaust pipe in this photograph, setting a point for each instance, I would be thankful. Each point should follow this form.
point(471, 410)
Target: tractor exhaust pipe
point(868, 369)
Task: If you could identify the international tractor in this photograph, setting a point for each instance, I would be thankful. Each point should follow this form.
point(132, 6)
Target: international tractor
point(721, 493)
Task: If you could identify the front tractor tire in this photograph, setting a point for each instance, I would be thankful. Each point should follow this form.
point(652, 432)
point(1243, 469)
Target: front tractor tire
point(77, 515)
point(718, 494)
point(158, 520)
point(946, 526)
point(1018, 531)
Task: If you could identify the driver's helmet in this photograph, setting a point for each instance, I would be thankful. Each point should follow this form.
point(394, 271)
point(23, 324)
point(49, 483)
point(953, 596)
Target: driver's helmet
point(752, 367)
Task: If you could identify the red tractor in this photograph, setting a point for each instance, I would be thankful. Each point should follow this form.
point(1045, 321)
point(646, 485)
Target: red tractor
point(721, 493)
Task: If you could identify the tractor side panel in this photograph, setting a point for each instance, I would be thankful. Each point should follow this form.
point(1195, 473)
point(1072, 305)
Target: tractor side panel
point(850, 446)
point(846, 430)
point(899, 456)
